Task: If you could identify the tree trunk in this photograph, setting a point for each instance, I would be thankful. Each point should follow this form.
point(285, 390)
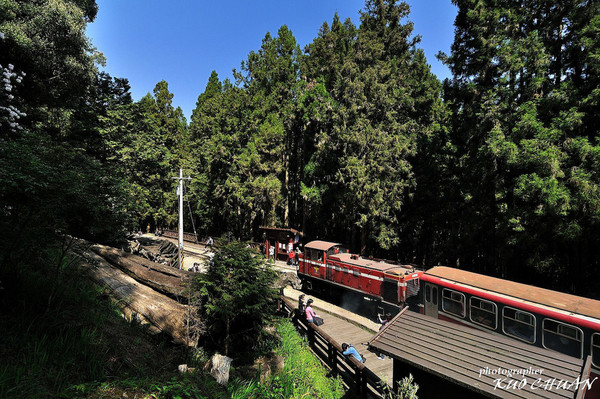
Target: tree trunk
point(161, 311)
point(165, 279)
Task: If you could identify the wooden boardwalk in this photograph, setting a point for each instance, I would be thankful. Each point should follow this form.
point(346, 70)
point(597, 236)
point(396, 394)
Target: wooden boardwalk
point(345, 326)
point(344, 331)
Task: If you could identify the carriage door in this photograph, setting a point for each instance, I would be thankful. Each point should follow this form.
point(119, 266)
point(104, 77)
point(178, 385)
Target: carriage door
point(390, 290)
point(431, 300)
point(328, 270)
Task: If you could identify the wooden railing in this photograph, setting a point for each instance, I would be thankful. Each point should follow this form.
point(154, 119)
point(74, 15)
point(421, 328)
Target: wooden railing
point(358, 378)
point(191, 237)
point(585, 375)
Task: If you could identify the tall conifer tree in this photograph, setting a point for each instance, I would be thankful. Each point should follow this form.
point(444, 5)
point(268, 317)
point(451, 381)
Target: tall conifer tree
point(522, 93)
point(384, 93)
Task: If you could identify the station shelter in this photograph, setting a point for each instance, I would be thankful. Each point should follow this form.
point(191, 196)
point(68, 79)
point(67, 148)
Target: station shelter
point(281, 240)
point(448, 360)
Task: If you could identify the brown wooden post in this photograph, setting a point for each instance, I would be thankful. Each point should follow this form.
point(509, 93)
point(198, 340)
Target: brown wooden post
point(311, 335)
point(364, 392)
point(332, 357)
point(358, 376)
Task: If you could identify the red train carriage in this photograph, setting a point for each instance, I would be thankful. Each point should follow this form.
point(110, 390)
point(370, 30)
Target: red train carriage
point(553, 320)
point(331, 264)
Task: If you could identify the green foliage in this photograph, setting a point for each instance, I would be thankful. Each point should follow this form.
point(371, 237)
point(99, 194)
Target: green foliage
point(236, 299)
point(520, 96)
point(53, 181)
point(407, 389)
point(145, 143)
point(302, 376)
point(337, 128)
point(61, 335)
point(43, 197)
point(384, 96)
point(47, 41)
point(245, 143)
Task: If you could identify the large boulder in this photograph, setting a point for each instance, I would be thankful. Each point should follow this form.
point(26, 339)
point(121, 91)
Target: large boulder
point(288, 278)
point(219, 366)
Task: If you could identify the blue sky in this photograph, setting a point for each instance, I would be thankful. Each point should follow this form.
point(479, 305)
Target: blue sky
point(183, 41)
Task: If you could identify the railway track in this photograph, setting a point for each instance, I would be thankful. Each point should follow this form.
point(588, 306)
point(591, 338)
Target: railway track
point(199, 253)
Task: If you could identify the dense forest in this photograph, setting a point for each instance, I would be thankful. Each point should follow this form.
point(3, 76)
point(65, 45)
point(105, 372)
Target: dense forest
point(351, 139)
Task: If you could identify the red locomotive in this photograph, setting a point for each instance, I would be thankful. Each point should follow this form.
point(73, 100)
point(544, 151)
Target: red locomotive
point(331, 264)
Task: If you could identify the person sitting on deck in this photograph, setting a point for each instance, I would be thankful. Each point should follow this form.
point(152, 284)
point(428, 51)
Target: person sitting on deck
point(310, 313)
point(350, 350)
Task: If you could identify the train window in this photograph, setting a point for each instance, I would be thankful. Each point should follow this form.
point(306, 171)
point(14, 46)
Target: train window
point(562, 338)
point(356, 272)
point(518, 324)
point(412, 287)
point(596, 349)
point(335, 250)
point(484, 313)
point(313, 254)
point(308, 254)
point(431, 294)
point(453, 302)
point(345, 269)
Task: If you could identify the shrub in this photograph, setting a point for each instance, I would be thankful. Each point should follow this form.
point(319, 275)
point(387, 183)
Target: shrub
point(236, 299)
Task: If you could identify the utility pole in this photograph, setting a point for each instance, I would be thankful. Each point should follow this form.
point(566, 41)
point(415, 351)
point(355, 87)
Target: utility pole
point(180, 193)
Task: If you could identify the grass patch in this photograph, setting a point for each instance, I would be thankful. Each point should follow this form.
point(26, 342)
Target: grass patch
point(62, 337)
point(303, 375)
point(73, 344)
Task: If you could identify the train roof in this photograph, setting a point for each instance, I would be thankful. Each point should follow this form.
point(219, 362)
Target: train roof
point(356, 260)
point(380, 265)
point(559, 300)
point(321, 245)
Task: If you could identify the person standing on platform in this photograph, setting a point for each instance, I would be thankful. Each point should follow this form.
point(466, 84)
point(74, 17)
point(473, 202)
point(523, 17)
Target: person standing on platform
point(384, 320)
point(297, 256)
point(301, 303)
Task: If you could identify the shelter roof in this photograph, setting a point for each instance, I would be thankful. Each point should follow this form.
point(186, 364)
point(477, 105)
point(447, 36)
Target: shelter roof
point(282, 230)
point(474, 359)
